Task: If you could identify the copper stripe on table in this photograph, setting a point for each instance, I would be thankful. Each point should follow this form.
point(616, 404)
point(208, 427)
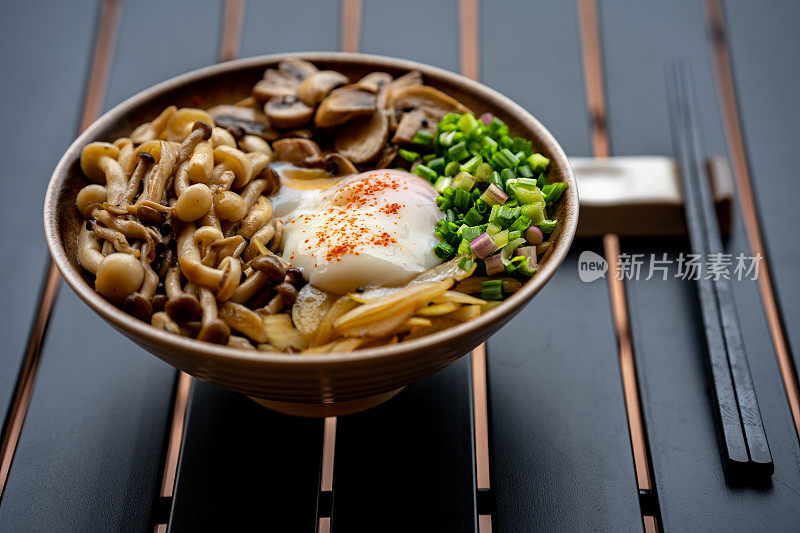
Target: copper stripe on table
point(102, 55)
point(593, 76)
point(735, 140)
point(229, 45)
point(469, 39)
point(350, 37)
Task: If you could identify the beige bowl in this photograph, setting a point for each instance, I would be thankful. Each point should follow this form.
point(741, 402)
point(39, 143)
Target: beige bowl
point(315, 385)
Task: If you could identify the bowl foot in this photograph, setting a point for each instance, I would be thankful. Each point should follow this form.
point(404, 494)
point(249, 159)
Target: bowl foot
point(321, 410)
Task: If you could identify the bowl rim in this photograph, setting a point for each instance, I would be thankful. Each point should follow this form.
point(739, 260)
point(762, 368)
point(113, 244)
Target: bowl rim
point(123, 321)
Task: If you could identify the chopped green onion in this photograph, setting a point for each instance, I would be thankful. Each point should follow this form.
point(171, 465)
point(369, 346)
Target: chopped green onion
point(535, 212)
point(473, 217)
point(547, 226)
point(442, 182)
point(444, 250)
point(464, 248)
point(483, 245)
point(461, 199)
point(554, 191)
point(452, 168)
point(522, 145)
point(408, 155)
point(458, 151)
point(521, 224)
point(446, 138)
point(488, 144)
point(472, 165)
point(525, 171)
point(426, 172)
point(492, 289)
point(484, 173)
point(422, 137)
point(505, 159)
point(492, 228)
point(538, 162)
point(541, 181)
point(428, 157)
point(437, 165)
point(466, 263)
point(467, 123)
point(464, 181)
point(500, 238)
point(472, 232)
point(494, 195)
point(497, 180)
point(450, 215)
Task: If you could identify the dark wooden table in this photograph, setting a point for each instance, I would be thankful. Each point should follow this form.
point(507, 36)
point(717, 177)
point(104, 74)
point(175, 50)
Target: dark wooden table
point(89, 417)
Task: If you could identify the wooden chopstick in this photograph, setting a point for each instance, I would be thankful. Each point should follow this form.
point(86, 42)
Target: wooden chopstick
point(744, 443)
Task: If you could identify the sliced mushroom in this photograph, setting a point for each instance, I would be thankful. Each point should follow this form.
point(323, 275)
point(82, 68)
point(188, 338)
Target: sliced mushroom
point(243, 120)
point(373, 81)
point(240, 343)
point(156, 181)
point(275, 83)
point(297, 68)
point(287, 112)
point(411, 123)
point(362, 140)
point(388, 153)
point(243, 320)
point(296, 151)
point(344, 104)
point(339, 165)
point(99, 163)
point(436, 103)
point(317, 86)
point(252, 143)
point(413, 77)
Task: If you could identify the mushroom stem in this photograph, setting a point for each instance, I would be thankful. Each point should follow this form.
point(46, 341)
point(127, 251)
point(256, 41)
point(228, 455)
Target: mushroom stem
point(162, 320)
point(180, 304)
point(200, 132)
point(256, 219)
point(235, 341)
point(252, 192)
point(116, 238)
point(224, 280)
point(89, 255)
point(143, 166)
point(249, 287)
point(157, 180)
point(139, 303)
point(212, 328)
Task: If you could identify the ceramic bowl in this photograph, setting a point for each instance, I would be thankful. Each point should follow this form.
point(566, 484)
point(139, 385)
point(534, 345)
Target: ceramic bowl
point(314, 385)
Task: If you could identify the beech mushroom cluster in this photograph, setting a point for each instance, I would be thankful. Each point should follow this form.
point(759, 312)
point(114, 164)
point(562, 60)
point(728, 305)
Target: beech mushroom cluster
point(178, 226)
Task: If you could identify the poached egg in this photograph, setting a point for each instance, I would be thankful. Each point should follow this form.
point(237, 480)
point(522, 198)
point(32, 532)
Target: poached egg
point(370, 229)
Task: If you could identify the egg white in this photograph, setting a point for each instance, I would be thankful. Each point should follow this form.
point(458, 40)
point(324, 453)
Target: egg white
point(370, 229)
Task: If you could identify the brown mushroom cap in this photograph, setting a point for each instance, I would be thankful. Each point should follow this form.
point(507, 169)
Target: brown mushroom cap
point(243, 120)
point(297, 68)
point(344, 104)
point(137, 305)
point(362, 140)
point(317, 86)
point(339, 165)
point(271, 267)
point(295, 151)
point(216, 331)
point(413, 77)
point(183, 307)
point(287, 112)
